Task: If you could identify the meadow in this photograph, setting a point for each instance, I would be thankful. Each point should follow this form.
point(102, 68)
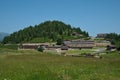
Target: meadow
point(34, 65)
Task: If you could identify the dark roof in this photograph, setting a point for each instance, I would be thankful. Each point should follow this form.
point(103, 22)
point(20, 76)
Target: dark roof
point(64, 47)
point(79, 42)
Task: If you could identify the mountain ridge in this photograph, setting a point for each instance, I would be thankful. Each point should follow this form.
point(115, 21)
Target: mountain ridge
point(2, 35)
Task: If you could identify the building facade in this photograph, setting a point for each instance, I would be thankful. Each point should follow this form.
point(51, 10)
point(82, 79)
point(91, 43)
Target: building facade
point(79, 44)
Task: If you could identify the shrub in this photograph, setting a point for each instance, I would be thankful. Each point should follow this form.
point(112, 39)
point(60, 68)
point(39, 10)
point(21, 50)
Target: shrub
point(59, 41)
point(40, 48)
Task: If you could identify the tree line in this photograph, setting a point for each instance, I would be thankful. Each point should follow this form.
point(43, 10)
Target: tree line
point(114, 38)
point(46, 31)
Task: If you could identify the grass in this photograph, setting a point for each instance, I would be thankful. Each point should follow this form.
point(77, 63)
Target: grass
point(33, 65)
point(77, 51)
point(9, 46)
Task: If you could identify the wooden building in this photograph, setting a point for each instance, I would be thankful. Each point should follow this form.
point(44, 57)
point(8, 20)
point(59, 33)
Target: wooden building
point(32, 45)
point(102, 43)
point(79, 44)
point(101, 35)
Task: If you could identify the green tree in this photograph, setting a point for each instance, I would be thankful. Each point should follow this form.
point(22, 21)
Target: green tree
point(59, 41)
point(118, 45)
point(40, 48)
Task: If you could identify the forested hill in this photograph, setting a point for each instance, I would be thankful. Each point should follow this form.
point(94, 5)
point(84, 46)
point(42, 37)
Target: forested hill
point(48, 31)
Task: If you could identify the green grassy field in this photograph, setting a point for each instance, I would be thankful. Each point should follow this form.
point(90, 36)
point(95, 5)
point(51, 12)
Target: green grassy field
point(33, 65)
point(82, 51)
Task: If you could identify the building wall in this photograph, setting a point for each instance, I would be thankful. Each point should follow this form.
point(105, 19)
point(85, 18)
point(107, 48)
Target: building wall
point(102, 44)
point(80, 44)
point(101, 35)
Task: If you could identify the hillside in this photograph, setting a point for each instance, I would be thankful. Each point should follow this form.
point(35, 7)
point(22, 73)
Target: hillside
point(48, 31)
point(2, 35)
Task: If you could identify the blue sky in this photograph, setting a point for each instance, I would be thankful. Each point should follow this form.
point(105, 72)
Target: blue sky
point(93, 16)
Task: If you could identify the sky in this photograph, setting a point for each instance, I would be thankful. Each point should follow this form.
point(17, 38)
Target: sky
point(93, 16)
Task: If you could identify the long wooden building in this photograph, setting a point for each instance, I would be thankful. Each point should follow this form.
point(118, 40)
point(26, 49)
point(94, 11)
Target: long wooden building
point(79, 44)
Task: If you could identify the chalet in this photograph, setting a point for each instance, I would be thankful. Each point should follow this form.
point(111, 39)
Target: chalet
point(53, 47)
point(75, 34)
point(72, 44)
point(102, 43)
point(36, 45)
point(32, 45)
point(110, 47)
point(101, 35)
point(64, 47)
point(79, 44)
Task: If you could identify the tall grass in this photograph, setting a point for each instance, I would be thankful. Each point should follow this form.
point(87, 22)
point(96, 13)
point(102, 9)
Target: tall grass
point(9, 46)
point(53, 67)
point(77, 51)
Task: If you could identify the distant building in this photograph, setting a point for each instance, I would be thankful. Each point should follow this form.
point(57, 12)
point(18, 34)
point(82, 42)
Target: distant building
point(79, 44)
point(101, 35)
point(75, 34)
point(64, 47)
point(32, 45)
point(102, 43)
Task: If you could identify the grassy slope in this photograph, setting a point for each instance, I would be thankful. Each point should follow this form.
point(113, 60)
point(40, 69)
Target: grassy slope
point(29, 66)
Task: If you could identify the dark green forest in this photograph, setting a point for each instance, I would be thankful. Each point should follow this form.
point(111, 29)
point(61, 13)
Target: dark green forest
point(49, 31)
